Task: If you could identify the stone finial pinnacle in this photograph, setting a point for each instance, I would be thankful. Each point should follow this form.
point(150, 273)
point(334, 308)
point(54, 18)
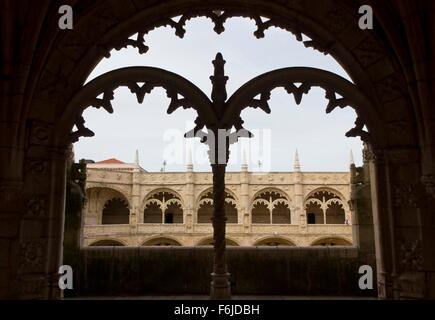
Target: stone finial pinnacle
point(136, 158)
point(219, 81)
point(244, 161)
point(296, 162)
point(189, 161)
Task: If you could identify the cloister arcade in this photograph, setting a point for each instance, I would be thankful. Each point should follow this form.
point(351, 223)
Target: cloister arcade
point(173, 210)
point(43, 69)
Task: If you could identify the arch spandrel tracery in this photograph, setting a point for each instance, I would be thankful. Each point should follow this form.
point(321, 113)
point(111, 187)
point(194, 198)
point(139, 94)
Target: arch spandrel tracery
point(163, 207)
point(116, 211)
point(204, 207)
point(326, 206)
point(103, 200)
point(271, 206)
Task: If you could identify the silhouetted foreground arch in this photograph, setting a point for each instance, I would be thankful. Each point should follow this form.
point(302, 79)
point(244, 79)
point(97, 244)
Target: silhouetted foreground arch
point(131, 77)
point(298, 81)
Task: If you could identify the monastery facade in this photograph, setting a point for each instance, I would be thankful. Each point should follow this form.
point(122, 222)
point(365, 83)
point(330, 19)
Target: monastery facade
point(129, 206)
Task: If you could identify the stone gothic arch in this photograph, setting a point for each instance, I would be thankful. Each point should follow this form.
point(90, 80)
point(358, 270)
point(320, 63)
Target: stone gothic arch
point(108, 243)
point(331, 241)
point(274, 242)
point(163, 206)
point(391, 65)
point(204, 206)
point(209, 242)
point(271, 206)
point(98, 198)
point(161, 241)
point(326, 206)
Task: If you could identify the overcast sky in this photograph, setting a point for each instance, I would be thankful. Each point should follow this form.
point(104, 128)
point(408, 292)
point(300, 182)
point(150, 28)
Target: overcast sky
point(319, 138)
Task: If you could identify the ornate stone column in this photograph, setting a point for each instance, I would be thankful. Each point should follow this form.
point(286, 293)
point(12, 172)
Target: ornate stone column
point(244, 214)
point(220, 285)
point(219, 154)
point(190, 217)
point(298, 215)
point(361, 211)
point(398, 207)
point(38, 249)
point(135, 197)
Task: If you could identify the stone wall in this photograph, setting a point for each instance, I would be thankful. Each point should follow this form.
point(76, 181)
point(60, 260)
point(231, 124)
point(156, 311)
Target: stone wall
point(182, 270)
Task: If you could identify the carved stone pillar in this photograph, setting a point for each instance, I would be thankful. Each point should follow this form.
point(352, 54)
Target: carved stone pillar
point(361, 212)
point(189, 214)
point(399, 206)
point(37, 252)
point(244, 214)
point(298, 215)
point(220, 286)
point(135, 202)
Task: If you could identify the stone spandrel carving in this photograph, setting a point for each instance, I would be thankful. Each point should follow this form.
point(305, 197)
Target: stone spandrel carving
point(411, 255)
point(37, 207)
point(32, 255)
point(405, 196)
point(218, 18)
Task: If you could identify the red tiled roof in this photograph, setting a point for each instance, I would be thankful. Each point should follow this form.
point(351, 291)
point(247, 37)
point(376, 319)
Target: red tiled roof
point(111, 161)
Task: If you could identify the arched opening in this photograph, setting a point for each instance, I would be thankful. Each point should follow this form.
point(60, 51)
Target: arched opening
point(105, 205)
point(163, 207)
point(116, 211)
point(107, 243)
point(210, 242)
point(271, 207)
point(326, 207)
point(331, 242)
point(205, 207)
point(161, 242)
point(274, 242)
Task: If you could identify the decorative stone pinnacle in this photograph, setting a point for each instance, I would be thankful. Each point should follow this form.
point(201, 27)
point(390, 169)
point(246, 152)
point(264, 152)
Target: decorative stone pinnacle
point(296, 163)
point(136, 158)
point(244, 161)
point(219, 81)
point(189, 161)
